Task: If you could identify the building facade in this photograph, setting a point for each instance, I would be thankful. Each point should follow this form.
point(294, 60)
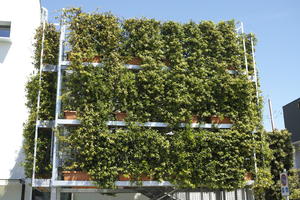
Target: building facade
point(18, 21)
point(291, 113)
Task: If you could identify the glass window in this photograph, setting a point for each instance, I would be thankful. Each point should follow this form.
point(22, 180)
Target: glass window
point(4, 30)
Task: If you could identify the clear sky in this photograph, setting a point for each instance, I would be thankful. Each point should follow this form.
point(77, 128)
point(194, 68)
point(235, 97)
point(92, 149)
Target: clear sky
point(276, 24)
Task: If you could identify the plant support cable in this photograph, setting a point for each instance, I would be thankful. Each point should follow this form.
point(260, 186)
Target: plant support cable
point(54, 191)
point(257, 97)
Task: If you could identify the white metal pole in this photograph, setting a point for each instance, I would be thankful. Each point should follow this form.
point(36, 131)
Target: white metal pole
point(254, 69)
point(43, 19)
point(286, 197)
point(271, 114)
point(244, 46)
point(254, 154)
point(54, 191)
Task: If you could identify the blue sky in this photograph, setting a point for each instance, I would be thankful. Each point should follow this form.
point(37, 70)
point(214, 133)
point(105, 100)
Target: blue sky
point(276, 24)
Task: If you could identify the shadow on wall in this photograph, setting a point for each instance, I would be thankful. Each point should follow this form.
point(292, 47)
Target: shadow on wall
point(4, 48)
point(17, 172)
point(13, 189)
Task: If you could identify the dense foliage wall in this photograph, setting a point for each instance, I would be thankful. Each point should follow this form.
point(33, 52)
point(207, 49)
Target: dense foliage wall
point(282, 151)
point(46, 112)
point(184, 73)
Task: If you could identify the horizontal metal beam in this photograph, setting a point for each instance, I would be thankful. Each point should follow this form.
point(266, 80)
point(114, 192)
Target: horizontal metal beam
point(65, 64)
point(140, 185)
point(252, 78)
point(45, 123)
point(89, 190)
point(50, 124)
point(41, 183)
point(62, 183)
point(250, 182)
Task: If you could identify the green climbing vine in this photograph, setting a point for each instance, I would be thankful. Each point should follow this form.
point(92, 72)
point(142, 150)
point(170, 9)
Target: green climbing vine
point(185, 72)
point(47, 103)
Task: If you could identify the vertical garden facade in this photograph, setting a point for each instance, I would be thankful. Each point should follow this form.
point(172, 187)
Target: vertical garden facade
point(194, 79)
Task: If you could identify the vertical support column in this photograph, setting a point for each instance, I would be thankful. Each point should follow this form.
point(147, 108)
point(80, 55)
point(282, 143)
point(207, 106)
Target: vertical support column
point(55, 192)
point(245, 50)
point(187, 195)
point(224, 194)
point(218, 195)
point(44, 16)
point(254, 154)
point(235, 194)
point(254, 69)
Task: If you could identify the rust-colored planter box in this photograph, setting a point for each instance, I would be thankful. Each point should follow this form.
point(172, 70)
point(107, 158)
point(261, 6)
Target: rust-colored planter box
point(135, 61)
point(120, 116)
point(76, 176)
point(95, 59)
point(195, 119)
point(218, 120)
point(68, 114)
point(231, 68)
point(142, 178)
point(248, 176)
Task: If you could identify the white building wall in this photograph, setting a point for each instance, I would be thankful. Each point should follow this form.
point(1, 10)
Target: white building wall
point(11, 191)
point(15, 66)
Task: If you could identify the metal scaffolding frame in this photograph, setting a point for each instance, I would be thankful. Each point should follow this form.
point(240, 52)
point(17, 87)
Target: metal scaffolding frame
point(153, 189)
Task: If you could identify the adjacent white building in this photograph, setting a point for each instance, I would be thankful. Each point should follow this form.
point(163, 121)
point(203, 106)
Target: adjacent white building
point(18, 21)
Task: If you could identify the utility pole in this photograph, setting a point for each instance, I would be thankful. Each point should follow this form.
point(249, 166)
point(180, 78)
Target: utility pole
point(271, 114)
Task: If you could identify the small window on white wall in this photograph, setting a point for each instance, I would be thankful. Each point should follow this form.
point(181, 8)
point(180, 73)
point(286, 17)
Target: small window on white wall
point(4, 29)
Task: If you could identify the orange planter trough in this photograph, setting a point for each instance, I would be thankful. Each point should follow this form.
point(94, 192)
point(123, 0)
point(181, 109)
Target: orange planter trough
point(95, 59)
point(142, 178)
point(120, 116)
point(194, 119)
point(135, 61)
point(248, 176)
point(76, 176)
point(70, 114)
point(218, 120)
